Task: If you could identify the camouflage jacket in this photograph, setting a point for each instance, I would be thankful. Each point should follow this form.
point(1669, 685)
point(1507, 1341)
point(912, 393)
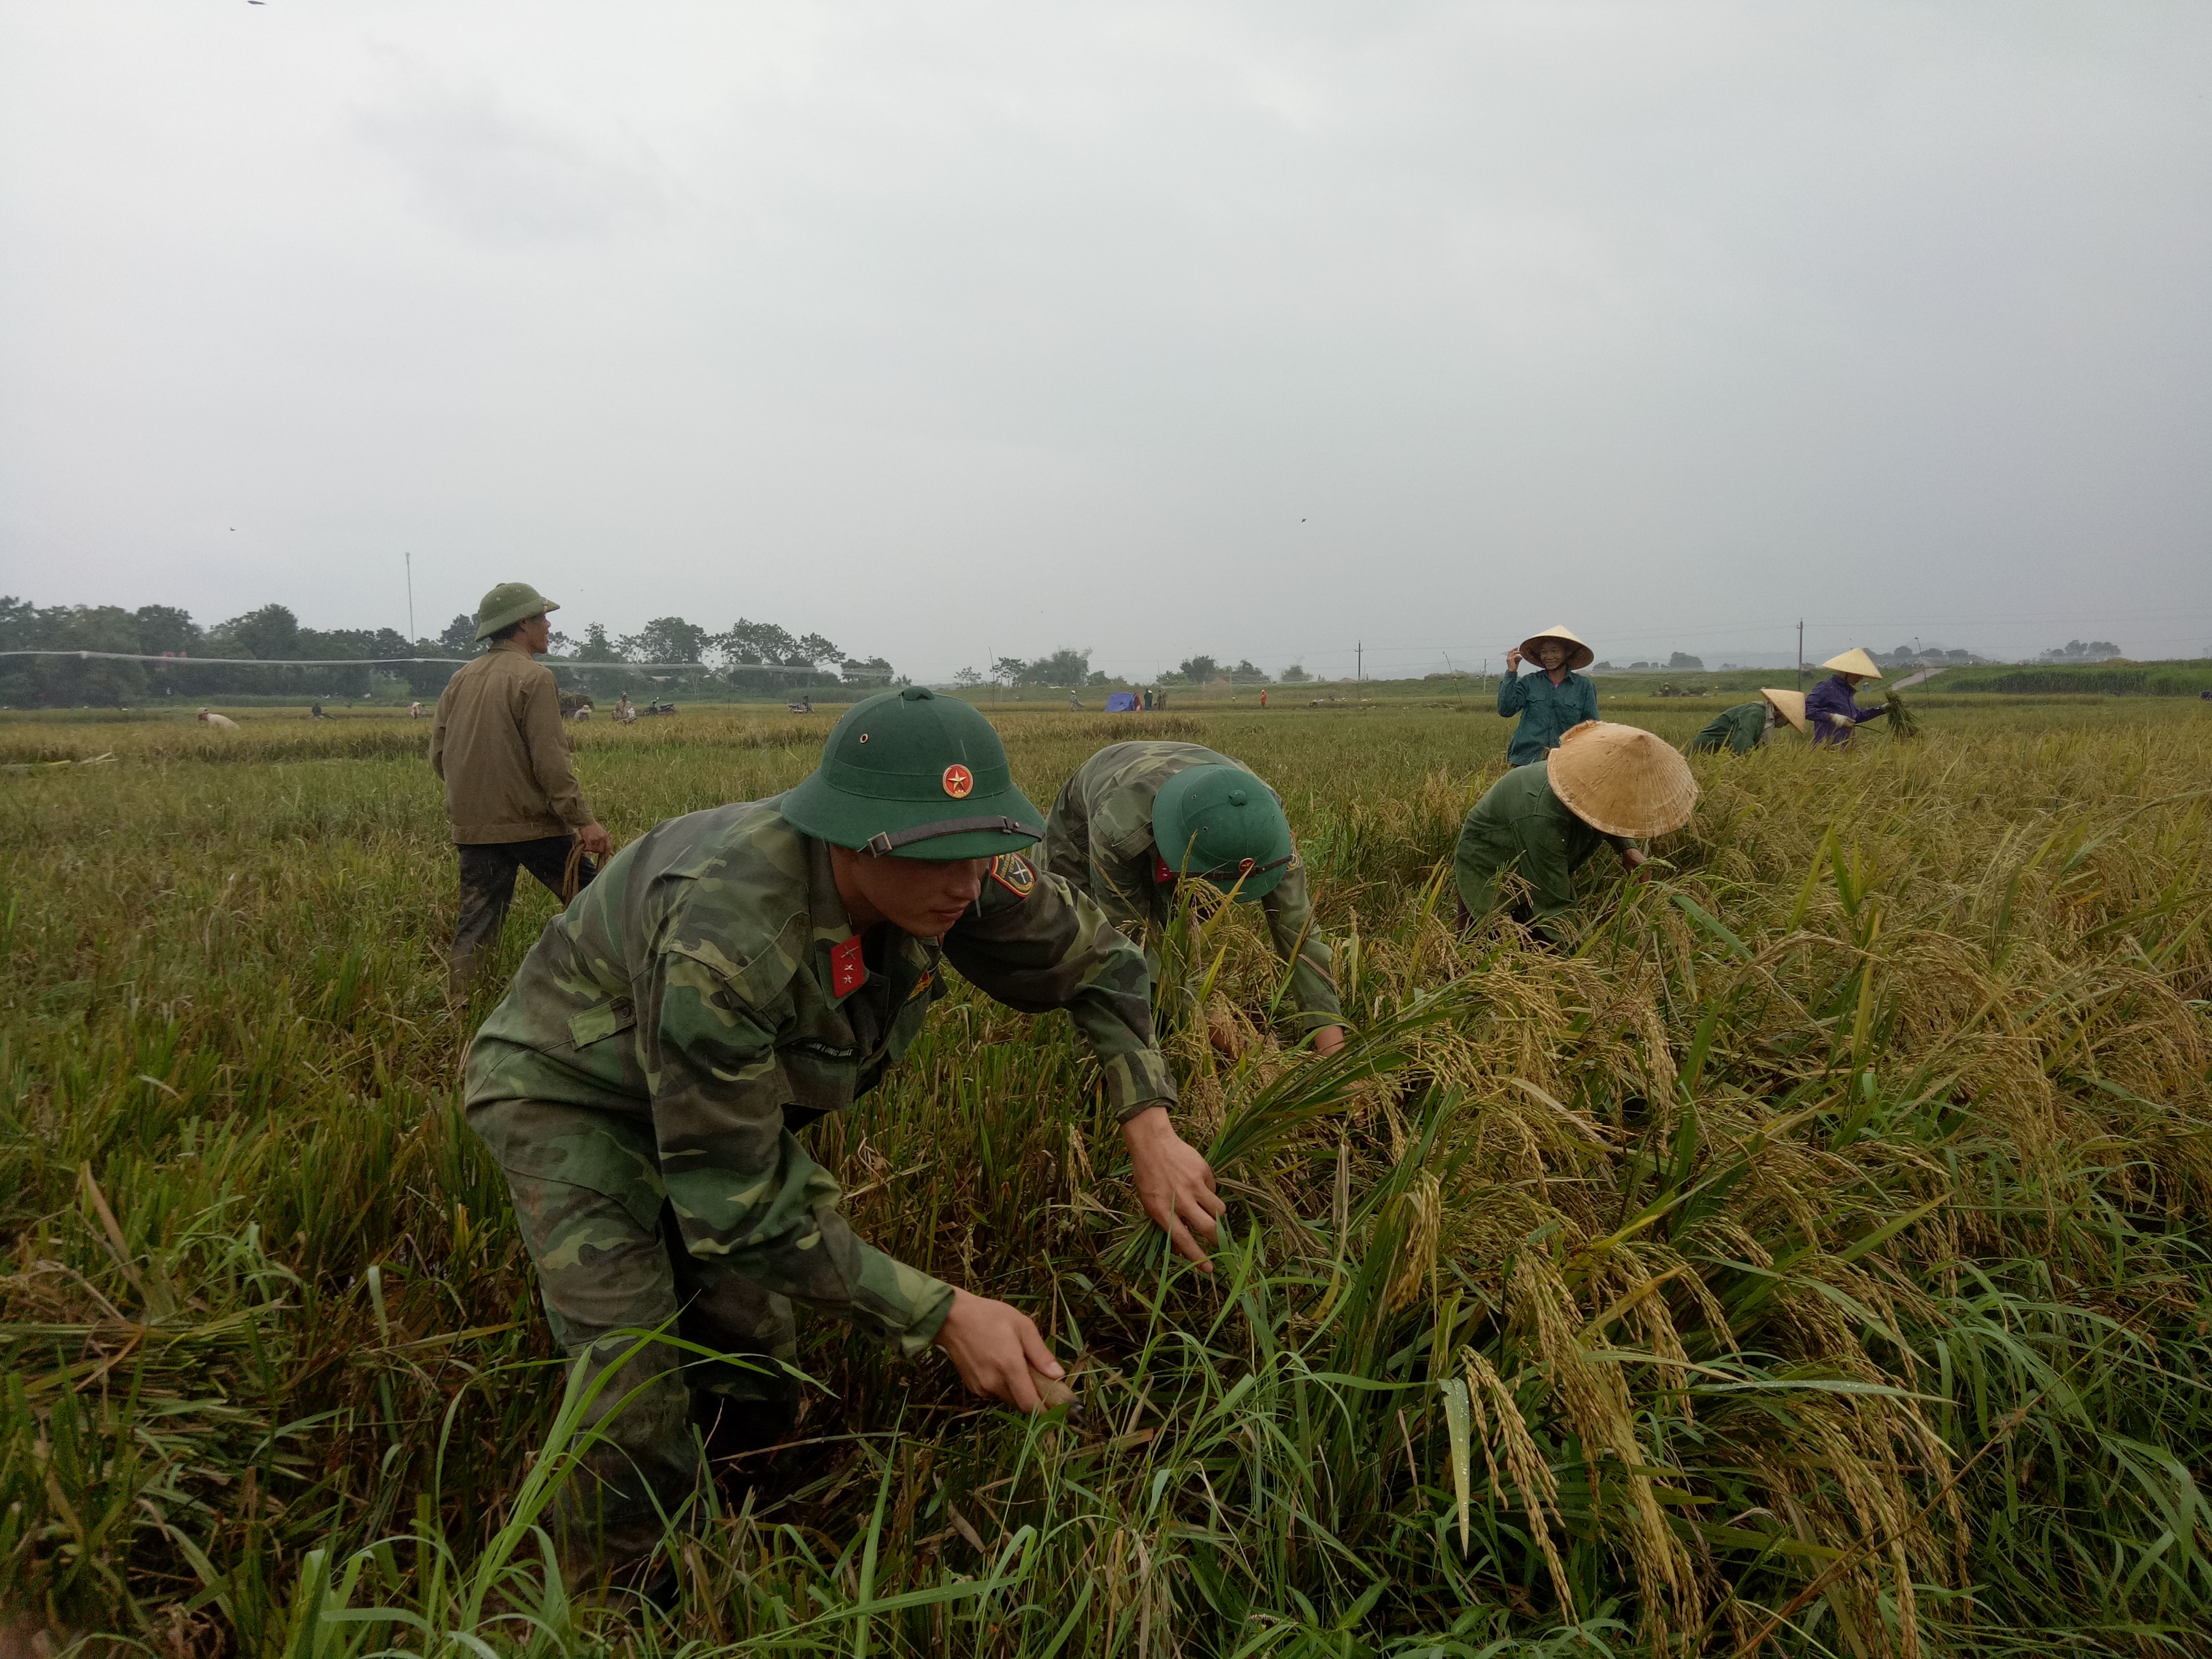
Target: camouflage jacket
point(1099, 839)
point(709, 982)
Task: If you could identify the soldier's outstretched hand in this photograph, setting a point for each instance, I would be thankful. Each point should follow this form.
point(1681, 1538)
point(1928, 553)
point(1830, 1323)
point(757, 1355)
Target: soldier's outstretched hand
point(1174, 1183)
point(994, 1348)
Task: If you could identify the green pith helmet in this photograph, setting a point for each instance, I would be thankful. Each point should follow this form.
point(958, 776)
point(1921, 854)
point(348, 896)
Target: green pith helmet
point(918, 775)
point(1221, 823)
point(508, 604)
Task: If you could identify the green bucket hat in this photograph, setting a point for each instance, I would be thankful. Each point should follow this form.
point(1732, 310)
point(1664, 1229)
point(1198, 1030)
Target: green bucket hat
point(917, 775)
point(508, 604)
point(1221, 823)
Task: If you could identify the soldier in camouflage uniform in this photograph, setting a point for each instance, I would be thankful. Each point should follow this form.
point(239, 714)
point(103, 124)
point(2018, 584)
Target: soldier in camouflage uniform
point(1138, 815)
point(731, 976)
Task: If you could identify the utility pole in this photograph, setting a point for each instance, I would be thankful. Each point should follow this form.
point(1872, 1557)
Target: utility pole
point(1359, 663)
point(1800, 653)
point(411, 598)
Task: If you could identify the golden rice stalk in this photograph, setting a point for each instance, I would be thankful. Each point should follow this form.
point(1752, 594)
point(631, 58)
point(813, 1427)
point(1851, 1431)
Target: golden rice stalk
point(1540, 1492)
point(1903, 727)
point(1421, 1218)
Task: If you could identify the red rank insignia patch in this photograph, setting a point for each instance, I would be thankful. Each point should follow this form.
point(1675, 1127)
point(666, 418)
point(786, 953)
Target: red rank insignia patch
point(1161, 873)
point(1015, 873)
point(959, 782)
point(848, 973)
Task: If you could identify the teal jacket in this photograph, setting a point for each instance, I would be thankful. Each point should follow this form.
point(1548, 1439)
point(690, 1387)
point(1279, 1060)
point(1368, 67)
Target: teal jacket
point(1546, 710)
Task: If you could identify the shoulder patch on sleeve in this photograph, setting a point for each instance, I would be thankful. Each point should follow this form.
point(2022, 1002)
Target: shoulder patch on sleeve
point(1015, 873)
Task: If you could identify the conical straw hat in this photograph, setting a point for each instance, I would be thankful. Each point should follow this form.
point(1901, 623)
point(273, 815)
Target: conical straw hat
point(1578, 655)
point(1791, 705)
point(1854, 661)
point(1621, 779)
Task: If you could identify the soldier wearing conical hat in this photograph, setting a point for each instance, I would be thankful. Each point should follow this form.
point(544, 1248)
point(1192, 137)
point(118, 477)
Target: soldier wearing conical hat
point(1742, 729)
point(1550, 702)
point(732, 977)
point(1605, 784)
point(1830, 707)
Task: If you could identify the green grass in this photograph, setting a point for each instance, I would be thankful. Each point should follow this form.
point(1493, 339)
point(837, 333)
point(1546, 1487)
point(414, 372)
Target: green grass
point(2156, 679)
point(1814, 1257)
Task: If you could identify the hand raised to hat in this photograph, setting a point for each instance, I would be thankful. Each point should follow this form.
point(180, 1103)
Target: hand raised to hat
point(1174, 1183)
point(1513, 659)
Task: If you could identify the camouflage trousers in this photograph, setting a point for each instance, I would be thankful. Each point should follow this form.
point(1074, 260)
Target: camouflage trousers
point(612, 1268)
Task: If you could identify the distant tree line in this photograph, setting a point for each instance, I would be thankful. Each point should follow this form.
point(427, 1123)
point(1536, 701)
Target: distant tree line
point(1069, 667)
point(749, 656)
point(2081, 651)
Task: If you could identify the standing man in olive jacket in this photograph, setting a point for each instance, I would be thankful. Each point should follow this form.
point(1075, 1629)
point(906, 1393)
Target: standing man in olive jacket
point(510, 792)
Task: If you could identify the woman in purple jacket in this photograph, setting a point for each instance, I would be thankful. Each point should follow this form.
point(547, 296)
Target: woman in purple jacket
point(1829, 707)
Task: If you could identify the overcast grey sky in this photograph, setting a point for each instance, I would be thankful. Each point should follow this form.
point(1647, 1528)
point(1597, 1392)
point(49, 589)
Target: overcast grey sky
point(1261, 330)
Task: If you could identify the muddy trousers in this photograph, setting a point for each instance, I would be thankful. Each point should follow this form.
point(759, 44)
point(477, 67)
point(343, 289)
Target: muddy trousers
point(488, 873)
point(612, 1270)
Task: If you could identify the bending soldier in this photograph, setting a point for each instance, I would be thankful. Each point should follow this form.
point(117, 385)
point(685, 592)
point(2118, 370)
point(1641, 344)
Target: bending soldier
point(731, 976)
point(1138, 815)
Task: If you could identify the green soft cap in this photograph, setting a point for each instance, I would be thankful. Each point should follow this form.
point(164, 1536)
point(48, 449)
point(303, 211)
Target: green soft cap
point(916, 776)
point(1221, 823)
point(508, 604)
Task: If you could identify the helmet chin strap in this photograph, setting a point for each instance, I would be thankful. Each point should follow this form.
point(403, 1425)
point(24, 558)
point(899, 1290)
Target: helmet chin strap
point(885, 841)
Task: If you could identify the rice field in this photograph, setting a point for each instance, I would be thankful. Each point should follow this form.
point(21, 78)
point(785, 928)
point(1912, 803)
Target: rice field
point(1810, 1260)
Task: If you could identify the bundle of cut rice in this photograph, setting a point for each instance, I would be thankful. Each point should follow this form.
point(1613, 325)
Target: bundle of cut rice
point(1902, 727)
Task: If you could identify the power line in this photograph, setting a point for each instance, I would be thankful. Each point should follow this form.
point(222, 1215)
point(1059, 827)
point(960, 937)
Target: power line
point(381, 662)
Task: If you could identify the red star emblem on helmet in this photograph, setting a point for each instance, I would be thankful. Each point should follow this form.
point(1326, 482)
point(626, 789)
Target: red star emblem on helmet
point(959, 782)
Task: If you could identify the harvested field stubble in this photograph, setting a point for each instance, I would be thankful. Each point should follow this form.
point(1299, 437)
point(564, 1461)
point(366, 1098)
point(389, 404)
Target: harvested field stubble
point(1813, 1257)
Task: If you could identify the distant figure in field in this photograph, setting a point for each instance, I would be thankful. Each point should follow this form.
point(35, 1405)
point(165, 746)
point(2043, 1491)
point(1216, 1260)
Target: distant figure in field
point(1744, 727)
point(414, 711)
point(1605, 784)
point(510, 791)
point(1148, 700)
point(1550, 703)
point(1074, 702)
point(315, 713)
point(208, 717)
point(1829, 706)
point(625, 711)
point(1263, 700)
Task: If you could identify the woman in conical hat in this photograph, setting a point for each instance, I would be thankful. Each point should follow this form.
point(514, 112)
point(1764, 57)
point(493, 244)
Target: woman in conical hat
point(1742, 729)
point(1830, 707)
point(1549, 703)
point(1604, 785)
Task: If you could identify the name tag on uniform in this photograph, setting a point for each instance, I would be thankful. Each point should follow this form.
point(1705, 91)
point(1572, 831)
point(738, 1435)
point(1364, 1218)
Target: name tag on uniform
point(848, 973)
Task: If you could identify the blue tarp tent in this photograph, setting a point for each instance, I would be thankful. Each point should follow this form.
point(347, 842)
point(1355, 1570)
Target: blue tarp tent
point(1120, 703)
